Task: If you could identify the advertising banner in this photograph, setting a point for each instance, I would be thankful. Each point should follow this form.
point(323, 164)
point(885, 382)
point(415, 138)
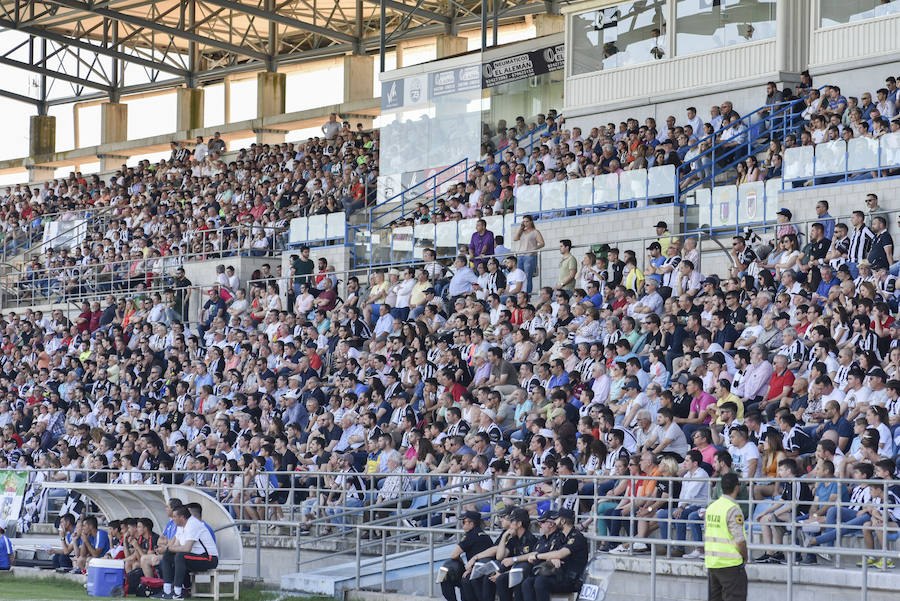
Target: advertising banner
point(522, 66)
point(12, 490)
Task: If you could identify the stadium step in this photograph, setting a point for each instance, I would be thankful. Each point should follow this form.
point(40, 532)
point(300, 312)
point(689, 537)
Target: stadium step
point(406, 572)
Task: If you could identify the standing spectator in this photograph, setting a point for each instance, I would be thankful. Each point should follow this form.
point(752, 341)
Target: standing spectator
point(568, 267)
point(331, 128)
point(481, 244)
point(7, 555)
point(860, 242)
point(530, 241)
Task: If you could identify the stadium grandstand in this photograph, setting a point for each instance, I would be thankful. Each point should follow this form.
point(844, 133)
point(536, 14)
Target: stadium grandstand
point(507, 320)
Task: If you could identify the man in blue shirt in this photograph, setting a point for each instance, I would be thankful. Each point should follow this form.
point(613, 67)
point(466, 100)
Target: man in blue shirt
point(94, 543)
point(828, 282)
point(62, 560)
point(463, 279)
point(7, 555)
point(560, 377)
point(593, 290)
point(825, 219)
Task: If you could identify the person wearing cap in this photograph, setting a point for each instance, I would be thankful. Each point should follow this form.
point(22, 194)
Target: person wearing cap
point(569, 562)
point(509, 583)
point(663, 238)
point(515, 542)
point(7, 555)
point(474, 542)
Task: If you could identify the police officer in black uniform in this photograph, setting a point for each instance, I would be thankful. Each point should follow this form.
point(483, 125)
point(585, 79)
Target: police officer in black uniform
point(549, 539)
point(569, 562)
point(471, 589)
point(516, 540)
point(474, 542)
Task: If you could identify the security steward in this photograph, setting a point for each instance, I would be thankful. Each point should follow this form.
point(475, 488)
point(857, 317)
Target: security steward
point(726, 544)
point(567, 563)
point(512, 543)
point(509, 583)
point(474, 542)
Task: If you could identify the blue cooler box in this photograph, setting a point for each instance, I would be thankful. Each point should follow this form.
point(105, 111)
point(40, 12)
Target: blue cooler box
point(104, 575)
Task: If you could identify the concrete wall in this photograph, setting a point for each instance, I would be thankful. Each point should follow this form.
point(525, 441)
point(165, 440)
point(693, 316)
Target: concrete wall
point(843, 199)
point(634, 228)
point(683, 580)
point(678, 580)
point(338, 256)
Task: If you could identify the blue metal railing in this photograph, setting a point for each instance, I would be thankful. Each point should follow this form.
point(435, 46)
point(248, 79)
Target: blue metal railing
point(429, 189)
point(772, 121)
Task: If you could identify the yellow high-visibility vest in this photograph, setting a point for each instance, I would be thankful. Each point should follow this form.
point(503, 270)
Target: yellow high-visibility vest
point(721, 551)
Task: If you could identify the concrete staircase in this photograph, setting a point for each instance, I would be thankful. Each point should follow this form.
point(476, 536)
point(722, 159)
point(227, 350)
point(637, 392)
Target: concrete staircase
point(410, 572)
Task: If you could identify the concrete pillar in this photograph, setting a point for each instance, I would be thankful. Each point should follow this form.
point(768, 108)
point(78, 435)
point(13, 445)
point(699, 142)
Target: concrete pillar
point(792, 21)
point(113, 128)
point(548, 24)
point(41, 144)
point(268, 135)
point(226, 99)
point(359, 77)
point(399, 51)
point(270, 94)
point(41, 135)
point(113, 122)
point(38, 173)
point(189, 111)
point(450, 45)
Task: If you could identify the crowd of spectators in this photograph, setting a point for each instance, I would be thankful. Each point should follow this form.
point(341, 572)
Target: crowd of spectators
point(466, 376)
point(545, 150)
point(149, 218)
point(432, 376)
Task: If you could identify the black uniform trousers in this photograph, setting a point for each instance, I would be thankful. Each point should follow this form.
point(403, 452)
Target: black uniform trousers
point(540, 588)
point(728, 584)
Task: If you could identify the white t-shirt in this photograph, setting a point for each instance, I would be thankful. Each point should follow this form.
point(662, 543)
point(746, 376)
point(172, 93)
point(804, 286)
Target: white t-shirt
point(743, 457)
point(679, 444)
point(513, 277)
point(197, 531)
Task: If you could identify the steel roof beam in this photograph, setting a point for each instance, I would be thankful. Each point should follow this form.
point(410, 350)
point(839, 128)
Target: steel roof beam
point(283, 20)
point(54, 74)
point(159, 27)
point(410, 9)
point(76, 43)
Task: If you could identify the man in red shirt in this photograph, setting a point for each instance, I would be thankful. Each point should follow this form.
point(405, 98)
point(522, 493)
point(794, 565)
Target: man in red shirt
point(327, 298)
point(83, 321)
point(445, 379)
point(781, 388)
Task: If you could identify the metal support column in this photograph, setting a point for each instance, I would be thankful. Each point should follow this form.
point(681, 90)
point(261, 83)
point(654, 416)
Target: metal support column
point(496, 25)
point(381, 35)
point(272, 46)
point(484, 21)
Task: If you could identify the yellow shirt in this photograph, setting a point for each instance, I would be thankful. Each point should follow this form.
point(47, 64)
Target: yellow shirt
point(417, 297)
point(634, 279)
point(731, 398)
point(377, 289)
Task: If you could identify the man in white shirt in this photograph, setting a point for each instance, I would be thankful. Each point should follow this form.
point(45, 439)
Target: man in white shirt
point(200, 150)
point(193, 550)
point(744, 453)
point(515, 278)
point(695, 122)
point(693, 497)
